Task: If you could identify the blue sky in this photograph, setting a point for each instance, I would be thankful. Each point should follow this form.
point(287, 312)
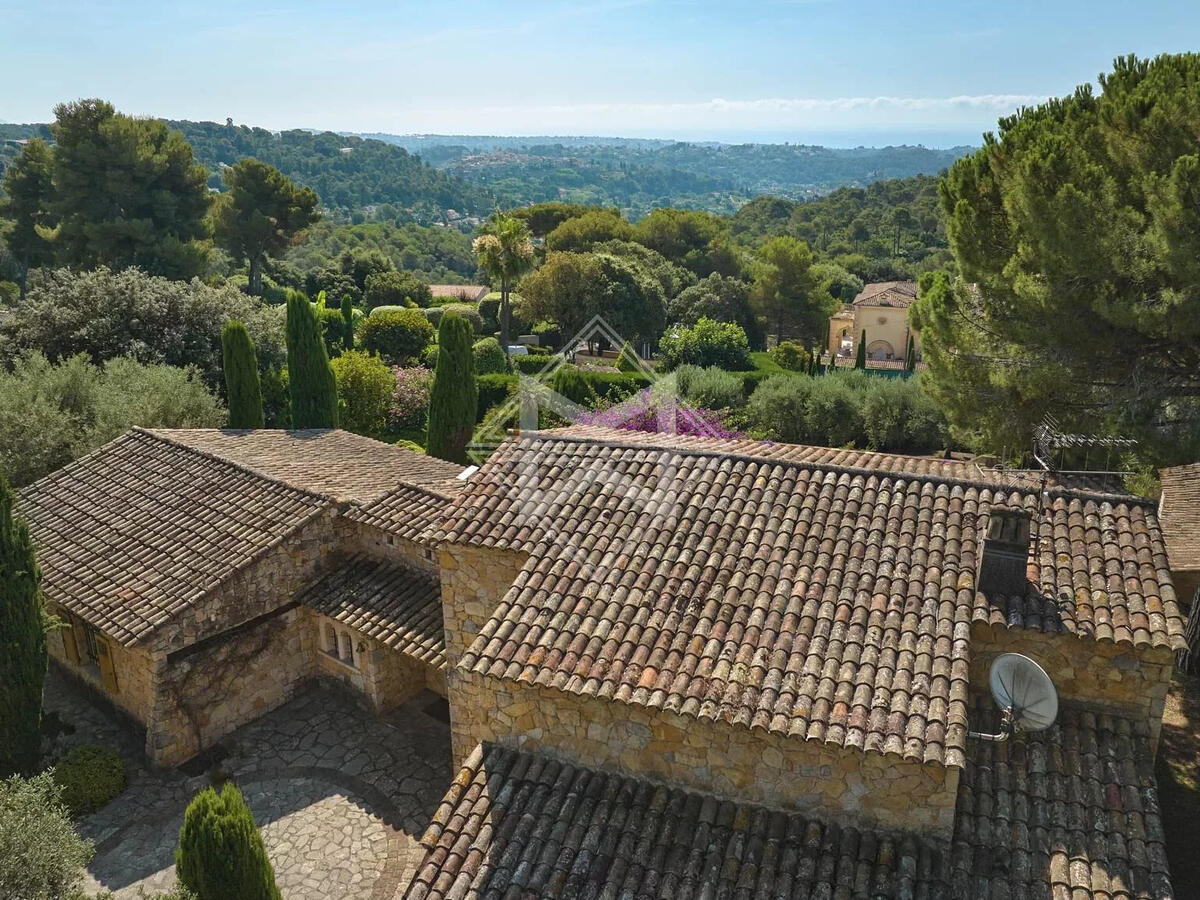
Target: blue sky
point(820, 71)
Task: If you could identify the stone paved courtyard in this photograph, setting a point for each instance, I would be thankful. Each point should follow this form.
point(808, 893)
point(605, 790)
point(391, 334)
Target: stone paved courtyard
point(342, 797)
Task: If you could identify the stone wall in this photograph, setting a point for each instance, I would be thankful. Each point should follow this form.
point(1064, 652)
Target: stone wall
point(205, 695)
point(842, 785)
point(1099, 674)
point(474, 580)
point(134, 670)
point(357, 537)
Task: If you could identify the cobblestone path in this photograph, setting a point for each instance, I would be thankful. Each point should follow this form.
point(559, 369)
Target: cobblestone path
point(341, 796)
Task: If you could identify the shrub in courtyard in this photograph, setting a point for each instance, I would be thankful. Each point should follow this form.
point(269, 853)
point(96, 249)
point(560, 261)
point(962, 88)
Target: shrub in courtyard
point(455, 394)
point(489, 357)
point(365, 387)
point(41, 856)
point(90, 777)
point(398, 336)
point(707, 343)
point(410, 396)
point(468, 311)
point(23, 656)
point(242, 387)
point(221, 854)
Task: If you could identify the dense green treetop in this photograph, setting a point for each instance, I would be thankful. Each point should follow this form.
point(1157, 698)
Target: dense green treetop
point(127, 192)
point(28, 187)
point(261, 214)
point(1078, 226)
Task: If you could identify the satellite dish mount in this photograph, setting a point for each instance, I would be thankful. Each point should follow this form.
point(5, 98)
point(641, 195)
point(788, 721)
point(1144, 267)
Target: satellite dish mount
point(1025, 695)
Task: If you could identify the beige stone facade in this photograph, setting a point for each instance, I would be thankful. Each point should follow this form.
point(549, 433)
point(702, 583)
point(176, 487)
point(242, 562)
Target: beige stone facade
point(474, 579)
point(839, 784)
point(1100, 674)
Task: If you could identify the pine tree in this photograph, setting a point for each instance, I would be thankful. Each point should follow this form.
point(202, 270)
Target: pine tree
point(455, 394)
point(348, 320)
point(22, 644)
point(221, 854)
point(312, 386)
point(860, 361)
point(242, 387)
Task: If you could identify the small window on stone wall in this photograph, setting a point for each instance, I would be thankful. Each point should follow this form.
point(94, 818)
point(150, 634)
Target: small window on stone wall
point(345, 648)
point(329, 644)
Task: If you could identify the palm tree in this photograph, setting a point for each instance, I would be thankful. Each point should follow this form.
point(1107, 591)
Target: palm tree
point(505, 252)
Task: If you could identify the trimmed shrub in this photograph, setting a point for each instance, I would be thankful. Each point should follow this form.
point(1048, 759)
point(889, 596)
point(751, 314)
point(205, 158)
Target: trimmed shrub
point(531, 364)
point(711, 388)
point(90, 777)
point(468, 311)
point(365, 388)
point(397, 336)
point(790, 356)
point(429, 357)
point(221, 854)
point(43, 857)
point(489, 357)
point(380, 310)
point(493, 390)
point(433, 315)
point(410, 396)
point(549, 334)
point(707, 343)
point(333, 328)
point(347, 310)
point(312, 386)
point(395, 289)
point(242, 388)
point(573, 384)
point(454, 399)
point(612, 387)
point(489, 312)
point(628, 360)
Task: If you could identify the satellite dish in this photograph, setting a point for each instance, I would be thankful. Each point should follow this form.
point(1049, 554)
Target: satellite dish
point(1025, 695)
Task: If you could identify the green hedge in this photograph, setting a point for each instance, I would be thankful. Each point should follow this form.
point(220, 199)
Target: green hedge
point(90, 777)
point(493, 390)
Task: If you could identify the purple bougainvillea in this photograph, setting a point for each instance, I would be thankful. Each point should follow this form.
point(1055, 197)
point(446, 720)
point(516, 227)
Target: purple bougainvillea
point(647, 412)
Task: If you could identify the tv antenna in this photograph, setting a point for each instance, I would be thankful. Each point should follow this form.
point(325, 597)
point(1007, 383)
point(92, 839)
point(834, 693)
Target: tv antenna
point(1025, 695)
point(1051, 445)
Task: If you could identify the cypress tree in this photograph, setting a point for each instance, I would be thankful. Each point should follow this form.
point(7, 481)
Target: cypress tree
point(22, 644)
point(312, 386)
point(348, 319)
point(455, 394)
point(242, 387)
point(910, 357)
point(860, 361)
point(628, 360)
point(221, 854)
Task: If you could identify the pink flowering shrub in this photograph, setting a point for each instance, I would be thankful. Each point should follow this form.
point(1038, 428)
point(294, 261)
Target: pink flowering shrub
point(654, 413)
point(410, 399)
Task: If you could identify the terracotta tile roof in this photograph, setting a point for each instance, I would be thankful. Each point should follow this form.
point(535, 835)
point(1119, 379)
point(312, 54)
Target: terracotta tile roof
point(519, 825)
point(137, 531)
point(887, 293)
point(1068, 813)
point(1180, 513)
point(407, 512)
point(397, 606)
point(768, 587)
point(338, 463)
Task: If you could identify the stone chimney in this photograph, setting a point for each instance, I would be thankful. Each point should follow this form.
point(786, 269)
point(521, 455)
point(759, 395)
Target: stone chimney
point(1005, 557)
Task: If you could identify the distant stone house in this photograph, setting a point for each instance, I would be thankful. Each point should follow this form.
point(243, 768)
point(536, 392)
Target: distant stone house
point(466, 293)
point(205, 575)
point(681, 666)
point(881, 310)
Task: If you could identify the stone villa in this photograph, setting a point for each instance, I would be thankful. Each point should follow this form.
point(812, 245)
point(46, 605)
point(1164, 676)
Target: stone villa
point(676, 667)
point(881, 310)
